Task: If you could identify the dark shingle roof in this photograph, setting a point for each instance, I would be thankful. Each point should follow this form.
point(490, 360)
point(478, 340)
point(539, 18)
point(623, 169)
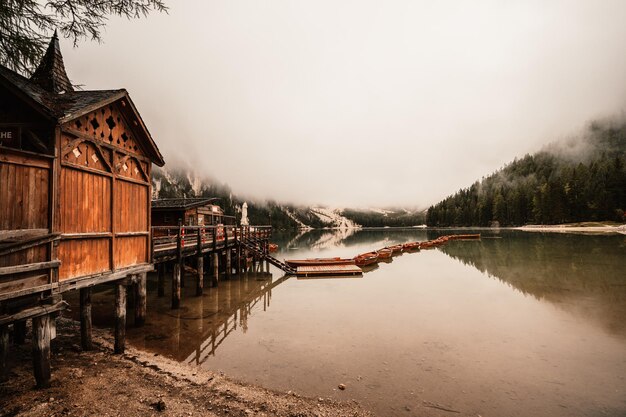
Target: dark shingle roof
point(59, 106)
point(50, 74)
point(180, 203)
point(50, 91)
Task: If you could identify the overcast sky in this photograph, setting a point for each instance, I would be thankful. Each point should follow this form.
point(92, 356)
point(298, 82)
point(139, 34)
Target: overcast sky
point(361, 103)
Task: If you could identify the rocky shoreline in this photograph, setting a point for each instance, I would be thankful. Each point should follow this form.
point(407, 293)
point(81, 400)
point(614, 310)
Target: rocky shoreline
point(137, 383)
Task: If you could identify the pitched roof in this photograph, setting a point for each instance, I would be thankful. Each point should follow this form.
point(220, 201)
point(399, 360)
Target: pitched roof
point(50, 74)
point(51, 93)
point(180, 203)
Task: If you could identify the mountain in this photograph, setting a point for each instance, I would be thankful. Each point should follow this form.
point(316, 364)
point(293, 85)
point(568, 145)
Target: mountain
point(581, 179)
point(175, 183)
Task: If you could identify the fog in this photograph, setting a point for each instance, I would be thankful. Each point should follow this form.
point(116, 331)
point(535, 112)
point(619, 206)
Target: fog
point(361, 103)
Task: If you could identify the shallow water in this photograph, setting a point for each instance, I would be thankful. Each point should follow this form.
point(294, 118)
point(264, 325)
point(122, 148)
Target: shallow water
point(516, 324)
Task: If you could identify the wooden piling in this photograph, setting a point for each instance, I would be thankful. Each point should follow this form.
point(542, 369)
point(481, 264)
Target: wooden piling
point(161, 280)
point(141, 302)
point(238, 259)
point(216, 270)
point(120, 318)
point(199, 265)
point(85, 319)
point(182, 272)
point(4, 350)
point(176, 271)
point(228, 262)
point(19, 332)
point(42, 326)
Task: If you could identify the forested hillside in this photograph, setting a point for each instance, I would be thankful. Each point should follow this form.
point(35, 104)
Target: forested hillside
point(582, 179)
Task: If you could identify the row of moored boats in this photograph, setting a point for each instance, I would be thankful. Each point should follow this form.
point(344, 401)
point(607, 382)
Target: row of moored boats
point(384, 254)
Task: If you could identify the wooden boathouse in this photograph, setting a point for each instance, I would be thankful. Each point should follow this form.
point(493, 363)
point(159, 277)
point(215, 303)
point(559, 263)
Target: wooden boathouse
point(75, 202)
point(192, 212)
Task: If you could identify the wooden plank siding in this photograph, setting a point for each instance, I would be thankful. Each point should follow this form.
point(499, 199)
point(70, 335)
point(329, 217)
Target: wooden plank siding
point(104, 195)
point(23, 191)
point(80, 257)
point(86, 202)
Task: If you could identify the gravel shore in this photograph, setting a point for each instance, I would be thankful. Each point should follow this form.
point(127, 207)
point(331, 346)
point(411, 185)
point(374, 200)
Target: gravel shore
point(141, 384)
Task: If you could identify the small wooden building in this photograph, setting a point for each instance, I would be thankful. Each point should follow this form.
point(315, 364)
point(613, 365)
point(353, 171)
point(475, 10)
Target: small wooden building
point(191, 211)
point(74, 195)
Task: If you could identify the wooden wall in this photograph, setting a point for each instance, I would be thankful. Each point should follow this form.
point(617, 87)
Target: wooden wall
point(24, 203)
point(24, 190)
point(104, 196)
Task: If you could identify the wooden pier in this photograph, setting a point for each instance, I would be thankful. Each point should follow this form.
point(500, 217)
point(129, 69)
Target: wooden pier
point(225, 249)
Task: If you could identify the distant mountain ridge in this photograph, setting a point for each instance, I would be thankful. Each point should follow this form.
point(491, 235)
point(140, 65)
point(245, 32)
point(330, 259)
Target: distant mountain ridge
point(582, 179)
point(176, 183)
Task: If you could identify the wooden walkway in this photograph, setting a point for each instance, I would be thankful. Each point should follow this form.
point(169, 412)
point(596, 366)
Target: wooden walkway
point(185, 248)
point(328, 270)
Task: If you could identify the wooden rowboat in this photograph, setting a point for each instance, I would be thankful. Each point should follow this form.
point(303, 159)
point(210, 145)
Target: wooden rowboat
point(384, 253)
point(411, 246)
point(294, 263)
point(427, 244)
point(366, 259)
point(395, 249)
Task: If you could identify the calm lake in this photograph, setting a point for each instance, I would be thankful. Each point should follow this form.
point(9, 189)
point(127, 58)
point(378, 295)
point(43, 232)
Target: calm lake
point(516, 324)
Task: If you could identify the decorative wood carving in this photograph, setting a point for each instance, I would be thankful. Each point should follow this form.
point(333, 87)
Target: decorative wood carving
point(85, 153)
point(130, 167)
point(108, 125)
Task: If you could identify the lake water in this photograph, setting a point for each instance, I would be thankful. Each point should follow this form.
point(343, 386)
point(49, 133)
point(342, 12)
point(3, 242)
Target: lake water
point(516, 324)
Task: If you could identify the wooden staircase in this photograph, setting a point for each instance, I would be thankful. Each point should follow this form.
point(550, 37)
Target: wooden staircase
point(254, 247)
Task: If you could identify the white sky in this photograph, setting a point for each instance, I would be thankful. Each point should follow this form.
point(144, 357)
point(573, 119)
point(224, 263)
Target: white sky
point(361, 103)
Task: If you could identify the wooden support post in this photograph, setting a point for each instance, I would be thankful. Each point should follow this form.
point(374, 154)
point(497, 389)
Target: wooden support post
point(199, 266)
point(182, 272)
point(141, 300)
point(85, 318)
point(19, 332)
point(4, 351)
point(120, 318)
point(42, 326)
point(176, 271)
point(161, 280)
point(238, 259)
point(216, 269)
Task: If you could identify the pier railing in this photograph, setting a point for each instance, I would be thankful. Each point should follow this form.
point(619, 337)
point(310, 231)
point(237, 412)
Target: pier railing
point(181, 238)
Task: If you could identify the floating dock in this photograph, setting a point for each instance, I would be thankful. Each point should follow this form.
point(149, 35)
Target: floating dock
point(328, 270)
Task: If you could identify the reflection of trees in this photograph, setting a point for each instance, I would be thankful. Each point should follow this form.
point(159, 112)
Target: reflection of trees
point(579, 273)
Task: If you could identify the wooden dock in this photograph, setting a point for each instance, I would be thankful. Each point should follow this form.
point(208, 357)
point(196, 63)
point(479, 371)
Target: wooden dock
point(328, 270)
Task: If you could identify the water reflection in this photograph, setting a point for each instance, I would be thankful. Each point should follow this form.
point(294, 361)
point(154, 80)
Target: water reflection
point(196, 331)
point(581, 274)
point(546, 338)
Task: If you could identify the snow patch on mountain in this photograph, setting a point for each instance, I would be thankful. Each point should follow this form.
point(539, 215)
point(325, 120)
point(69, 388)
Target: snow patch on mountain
point(195, 182)
point(333, 218)
point(293, 217)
